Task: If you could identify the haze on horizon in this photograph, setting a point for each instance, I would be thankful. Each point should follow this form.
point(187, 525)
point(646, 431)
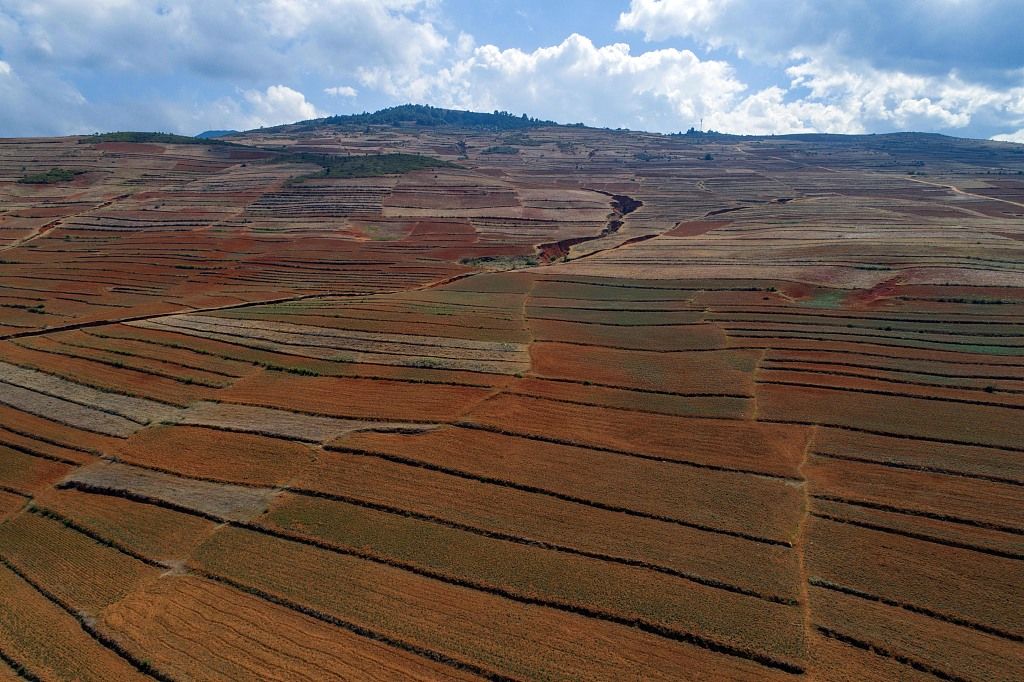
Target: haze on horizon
point(740, 66)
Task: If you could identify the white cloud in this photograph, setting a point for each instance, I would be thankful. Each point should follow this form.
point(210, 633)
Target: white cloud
point(276, 105)
point(1017, 137)
point(833, 65)
point(980, 38)
point(577, 81)
point(172, 47)
point(341, 91)
point(897, 99)
point(659, 20)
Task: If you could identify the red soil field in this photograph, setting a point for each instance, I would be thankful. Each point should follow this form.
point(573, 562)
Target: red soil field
point(150, 531)
point(218, 455)
point(233, 635)
point(47, 641)
point(693, 228)
point(898, 415)
point(547, 575)
point(725, 372)
point(996, 505)
point(956, 584)
point(628, 399)
point(422, 611)
point(343, 397)
point(605, 408)
point(775, 449)
point(534, 517)
point(74, 568)
point(736, 502)
point(26, 474)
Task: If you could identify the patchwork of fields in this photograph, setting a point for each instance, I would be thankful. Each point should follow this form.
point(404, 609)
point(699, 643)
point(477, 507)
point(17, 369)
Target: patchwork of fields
point(615, 406)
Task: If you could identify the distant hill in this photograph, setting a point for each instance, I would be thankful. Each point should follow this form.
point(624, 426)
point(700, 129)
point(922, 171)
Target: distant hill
point(210, 134)
point(428, 116)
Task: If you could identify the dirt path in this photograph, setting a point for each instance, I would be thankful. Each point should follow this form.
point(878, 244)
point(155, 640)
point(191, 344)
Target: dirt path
point(957, 190)
point(44, 229)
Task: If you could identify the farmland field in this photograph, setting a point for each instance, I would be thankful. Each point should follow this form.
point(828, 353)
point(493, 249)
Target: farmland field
point(613, 406)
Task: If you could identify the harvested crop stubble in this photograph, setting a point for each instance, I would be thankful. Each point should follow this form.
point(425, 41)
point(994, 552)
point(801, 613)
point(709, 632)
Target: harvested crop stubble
point(135, 409)
point(82, 573)
point(58, 435)
point(148, 530)
point(105, 337)
point(48, 641)
point(720, 372)
point(687, 337)
point(964, 459)
point(24, 442)
point(113, 379)
point(898, 415)
point(231, 635)
point(627, 399)
point(718, 499)
point(988, 540)
point(359, 398)
point(832, 380)
point(957, 584)
point(27, 474)
point(502, 325)
point(609, 289)
point(494, 633)
point(623, 315)
point(222, 501)
point(10, 504)
point(832, 660)
point(775, 449)
point(951, 649)
point(739, 620)
point(278, 423)
point(753, 566)
point(354, 346)
point(204, 453)
point(997, 505)
point(66, 413)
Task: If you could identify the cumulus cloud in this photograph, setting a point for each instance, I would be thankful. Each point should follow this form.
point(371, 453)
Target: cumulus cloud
point(980, 38)
point(579, 81)
point(276, 105)
point(754, 66)
point(341, 91)
point(1017, 137)
point(217, 47)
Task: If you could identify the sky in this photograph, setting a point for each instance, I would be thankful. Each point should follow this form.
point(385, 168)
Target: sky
point(739, 66)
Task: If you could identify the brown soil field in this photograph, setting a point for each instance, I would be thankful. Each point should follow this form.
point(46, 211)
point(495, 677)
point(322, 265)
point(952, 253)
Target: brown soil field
point(580, 392)
point(509, 511)
point(359, 398)
point(76, 570)
point(200, 453)
point(25, 474)
point(390, 600)
point(550, 576)
point(948, 582)
point(48, 642)
point(147, 529)
point(736, 502)
point(231, 635)
point(774, 449)
point(616, 406)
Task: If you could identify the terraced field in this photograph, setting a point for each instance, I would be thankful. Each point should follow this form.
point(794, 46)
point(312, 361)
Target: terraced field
point(599, 409)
